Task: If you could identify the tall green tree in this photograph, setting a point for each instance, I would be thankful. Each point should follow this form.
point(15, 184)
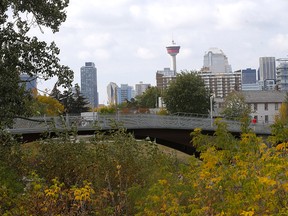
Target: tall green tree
point(20, 52)
point(73, 101)
point(80, 104)
point(187, 93)
point(149, 98)
point(55, 93)
point(67, 100)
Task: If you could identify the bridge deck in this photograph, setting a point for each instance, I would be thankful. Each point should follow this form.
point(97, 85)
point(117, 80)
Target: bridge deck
point(131, 121)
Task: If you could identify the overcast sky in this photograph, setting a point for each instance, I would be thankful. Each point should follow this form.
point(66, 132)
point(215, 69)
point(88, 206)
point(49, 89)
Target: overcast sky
point(127, 39)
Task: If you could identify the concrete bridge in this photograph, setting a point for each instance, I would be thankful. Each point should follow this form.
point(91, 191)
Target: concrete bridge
point(171, 130)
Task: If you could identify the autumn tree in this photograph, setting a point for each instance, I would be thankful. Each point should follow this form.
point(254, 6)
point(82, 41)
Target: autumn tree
point(47, 105)
point(187, 93)
point(282, 116)
point(20, 52)
point(279, 129)
point(111, 109)
point(234, 177)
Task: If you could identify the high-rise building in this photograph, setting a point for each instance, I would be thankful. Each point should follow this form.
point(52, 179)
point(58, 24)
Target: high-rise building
point(217, 74)
point(112, 93)
point(267, 68)
point(269, 84)
point(221, 84)
point(89, 83)
point(30, 82)
point(282, 74)
point(164, 77)
point(124, 93)
point(216, 61)
point(248, 76)
point(140, 88)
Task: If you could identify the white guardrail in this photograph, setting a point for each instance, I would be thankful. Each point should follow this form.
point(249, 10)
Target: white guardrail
point(129, 121)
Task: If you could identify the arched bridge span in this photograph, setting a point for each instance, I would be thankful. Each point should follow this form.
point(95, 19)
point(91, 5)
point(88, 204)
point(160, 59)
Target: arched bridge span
point(172, 130)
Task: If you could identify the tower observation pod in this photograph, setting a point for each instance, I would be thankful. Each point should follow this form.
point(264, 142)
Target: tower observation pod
point(173, 50)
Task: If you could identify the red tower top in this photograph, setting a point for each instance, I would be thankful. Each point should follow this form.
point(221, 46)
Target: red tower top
point(173, 50)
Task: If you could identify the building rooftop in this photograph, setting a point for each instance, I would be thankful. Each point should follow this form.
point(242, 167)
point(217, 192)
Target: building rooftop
point(264, 96)
point(215, 50)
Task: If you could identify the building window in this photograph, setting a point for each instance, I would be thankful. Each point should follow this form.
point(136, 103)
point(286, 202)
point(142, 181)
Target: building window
point(266, 106)
point(255, 107)
point(266, 119)
point(276, 106)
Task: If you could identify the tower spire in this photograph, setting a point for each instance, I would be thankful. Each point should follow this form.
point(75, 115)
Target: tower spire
point(173, 50)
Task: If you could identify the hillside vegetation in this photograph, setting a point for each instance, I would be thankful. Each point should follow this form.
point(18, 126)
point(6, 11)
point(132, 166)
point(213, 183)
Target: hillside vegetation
point(117, 175)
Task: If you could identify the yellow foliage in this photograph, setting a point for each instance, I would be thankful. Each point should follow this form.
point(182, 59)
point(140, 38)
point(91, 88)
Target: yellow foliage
point(50, 106)
point(221, 214)
point(267, 181)
point(247, 213)
point(162, 181)
point(283, 114)
point(54, 190)
point(83, 193)
point(155, 198)
point(210, 158)
point(162, 112)
point(285, 186)
point(282, 146)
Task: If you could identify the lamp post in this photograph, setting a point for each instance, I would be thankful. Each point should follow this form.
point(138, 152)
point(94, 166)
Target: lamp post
point(211, 109)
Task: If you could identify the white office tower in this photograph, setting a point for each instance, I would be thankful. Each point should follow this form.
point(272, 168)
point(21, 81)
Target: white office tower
point(89, 83)
point(141, 88)
point(216, 61)
point(112, 93)
point(267, 68)
point(282, 74)
point(217, 74)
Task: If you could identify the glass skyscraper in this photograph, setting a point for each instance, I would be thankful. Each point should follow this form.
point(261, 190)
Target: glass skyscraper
point(30, 82)
point(89, 83)
point(249, 76)
point(124, 93)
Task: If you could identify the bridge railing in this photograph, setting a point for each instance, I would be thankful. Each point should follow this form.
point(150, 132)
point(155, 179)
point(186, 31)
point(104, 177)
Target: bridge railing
point(197, 115)
point(129, 121)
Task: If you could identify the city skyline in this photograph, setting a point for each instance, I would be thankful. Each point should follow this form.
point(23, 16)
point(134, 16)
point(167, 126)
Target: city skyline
point(127, 39)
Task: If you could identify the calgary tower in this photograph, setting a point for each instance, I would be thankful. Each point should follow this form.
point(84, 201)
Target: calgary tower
point(173, 50)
